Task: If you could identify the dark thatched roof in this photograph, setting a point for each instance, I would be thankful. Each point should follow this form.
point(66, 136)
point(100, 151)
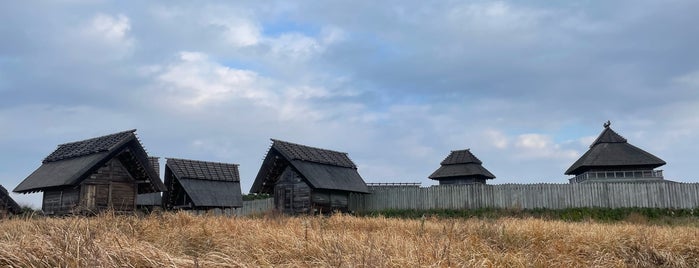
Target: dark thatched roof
point(461, 163)
point(322, 168)
point(73, 162)
point(7, 202)
point(611, 150)
point(193, 169)
point(208, 184)
point(294, 151)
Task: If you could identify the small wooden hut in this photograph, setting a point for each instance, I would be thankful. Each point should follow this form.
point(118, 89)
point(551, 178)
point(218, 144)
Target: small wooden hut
point(612, 159)
point(91, 175)
point(201, 186)
point(305, 179)
point(461, 167)
point(8, 206)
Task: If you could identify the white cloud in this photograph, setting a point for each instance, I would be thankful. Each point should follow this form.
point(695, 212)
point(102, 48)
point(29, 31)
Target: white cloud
point(196, 81)
point(532, 146)
point(110, 33)
point(690, 80)
point(496, 138)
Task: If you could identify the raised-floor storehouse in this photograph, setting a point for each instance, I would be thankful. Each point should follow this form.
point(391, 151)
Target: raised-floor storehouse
point(201, 186)
point(306, 179)
point(612, 159)
point(92, 175)
point(461, 167)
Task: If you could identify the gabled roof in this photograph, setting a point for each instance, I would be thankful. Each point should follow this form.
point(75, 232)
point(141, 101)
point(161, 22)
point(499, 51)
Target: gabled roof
point(73, 162)
point(461, 163)
point(612, 150)
point(7, 202)
point(208, 184)
point(322, 168)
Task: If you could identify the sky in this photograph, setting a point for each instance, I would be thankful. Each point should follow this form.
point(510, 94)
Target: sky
point(526, 85)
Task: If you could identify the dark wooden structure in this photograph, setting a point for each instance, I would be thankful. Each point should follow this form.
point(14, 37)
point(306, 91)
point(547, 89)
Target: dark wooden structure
point(305, 179)
point(151, 201)
point(612, 159)
point(199, 185)
point(461, 167)
point(8, 206)
point(96, 174)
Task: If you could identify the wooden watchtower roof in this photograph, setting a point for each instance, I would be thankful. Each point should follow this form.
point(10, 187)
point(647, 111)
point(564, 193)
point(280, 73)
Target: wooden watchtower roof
point(461, 163)
point(611, 150)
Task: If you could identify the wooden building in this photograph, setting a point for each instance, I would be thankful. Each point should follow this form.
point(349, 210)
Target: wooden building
point(201, 186)
point(612, 159)
point(96, 174)
point(8, 206)
point(305, 179)
point(151, 201)
point(461, 167)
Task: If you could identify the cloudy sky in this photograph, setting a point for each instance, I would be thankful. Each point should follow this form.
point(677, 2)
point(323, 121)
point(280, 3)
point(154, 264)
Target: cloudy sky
point(526, 85)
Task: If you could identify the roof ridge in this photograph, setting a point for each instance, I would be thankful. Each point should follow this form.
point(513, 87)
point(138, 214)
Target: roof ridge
point(100, 137)
point(317, 148)
point(200, 161)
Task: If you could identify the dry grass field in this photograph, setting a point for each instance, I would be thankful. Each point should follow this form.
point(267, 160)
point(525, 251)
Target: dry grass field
point(182, 240)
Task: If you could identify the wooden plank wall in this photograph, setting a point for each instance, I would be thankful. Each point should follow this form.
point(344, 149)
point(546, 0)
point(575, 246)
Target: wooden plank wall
point(250, 207)
point(529, 196)
point(258, 206)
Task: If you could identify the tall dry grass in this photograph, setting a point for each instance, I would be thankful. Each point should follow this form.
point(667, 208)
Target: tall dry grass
point(182, 240)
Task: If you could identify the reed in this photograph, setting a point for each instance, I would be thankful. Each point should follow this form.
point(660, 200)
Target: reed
point(184, 240)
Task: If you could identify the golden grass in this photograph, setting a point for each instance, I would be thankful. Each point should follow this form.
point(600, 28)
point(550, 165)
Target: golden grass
point(183, 240)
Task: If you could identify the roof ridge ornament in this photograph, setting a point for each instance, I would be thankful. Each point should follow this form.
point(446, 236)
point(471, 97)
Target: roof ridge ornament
point(607, 124)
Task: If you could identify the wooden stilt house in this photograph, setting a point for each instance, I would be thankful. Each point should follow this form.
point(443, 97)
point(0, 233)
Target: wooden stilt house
point(612, 159)
point(461, 167)
point(305, 179)
point(8, 206)
point(91, 175)
point(201, 186)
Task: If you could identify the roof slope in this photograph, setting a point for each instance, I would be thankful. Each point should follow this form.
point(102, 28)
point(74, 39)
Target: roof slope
point(8, 202)
point(193, 169)
point(293, 151)
point(612, 150)
point(322, 168)
point(208, 184)
point(461, 163)
point(72, 162)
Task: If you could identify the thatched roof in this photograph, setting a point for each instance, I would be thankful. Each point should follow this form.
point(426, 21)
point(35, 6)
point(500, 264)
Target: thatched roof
point(7, 202)
point(73, 162)
point(611, 150)
point(461, 163)
point(208, 184)
point(322, 168)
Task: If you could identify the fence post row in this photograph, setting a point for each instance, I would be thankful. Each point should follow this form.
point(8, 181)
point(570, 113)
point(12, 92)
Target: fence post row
point(529, 196)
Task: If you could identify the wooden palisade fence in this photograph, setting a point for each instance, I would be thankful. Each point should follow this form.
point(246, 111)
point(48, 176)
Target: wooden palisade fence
point(257, 206)
point(529, 196)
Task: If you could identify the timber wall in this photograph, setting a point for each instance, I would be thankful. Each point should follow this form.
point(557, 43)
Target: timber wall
point(529, 196)
point(250, 207)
